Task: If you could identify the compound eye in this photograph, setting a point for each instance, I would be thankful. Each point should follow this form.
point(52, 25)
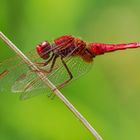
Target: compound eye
point(43, 50)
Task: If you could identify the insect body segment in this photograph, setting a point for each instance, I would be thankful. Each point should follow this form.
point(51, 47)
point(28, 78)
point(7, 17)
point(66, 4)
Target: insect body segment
point(101, 48)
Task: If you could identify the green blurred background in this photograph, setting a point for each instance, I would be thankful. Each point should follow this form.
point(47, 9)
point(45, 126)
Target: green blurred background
point(108, 96)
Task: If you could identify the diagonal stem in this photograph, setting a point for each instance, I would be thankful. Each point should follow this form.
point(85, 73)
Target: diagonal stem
point(52, 87)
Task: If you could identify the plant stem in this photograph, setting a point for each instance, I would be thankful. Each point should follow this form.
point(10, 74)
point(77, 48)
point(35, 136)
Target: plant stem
point(43, 77)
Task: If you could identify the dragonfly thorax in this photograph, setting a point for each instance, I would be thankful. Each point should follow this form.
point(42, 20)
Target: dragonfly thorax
point(71, 46)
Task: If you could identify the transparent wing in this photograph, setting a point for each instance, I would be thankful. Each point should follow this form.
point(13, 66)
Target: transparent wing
point(14, 69)
point(32, 85)
point(59, 75)
point(77, 67)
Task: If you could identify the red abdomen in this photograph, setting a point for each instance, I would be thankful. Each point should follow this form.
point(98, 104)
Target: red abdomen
point(101, 48)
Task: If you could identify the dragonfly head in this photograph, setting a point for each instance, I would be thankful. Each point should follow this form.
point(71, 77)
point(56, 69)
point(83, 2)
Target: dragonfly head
point(43, 49)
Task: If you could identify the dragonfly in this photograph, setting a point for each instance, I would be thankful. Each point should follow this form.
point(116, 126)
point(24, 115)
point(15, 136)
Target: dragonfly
point(64, 59)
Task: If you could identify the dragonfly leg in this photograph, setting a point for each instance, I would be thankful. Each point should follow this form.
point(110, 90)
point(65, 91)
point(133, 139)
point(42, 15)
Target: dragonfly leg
point(53, 63)
point(69, 73)
point(44, 63)
point(51, 67)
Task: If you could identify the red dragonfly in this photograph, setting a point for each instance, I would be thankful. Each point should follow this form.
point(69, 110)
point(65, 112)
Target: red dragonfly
point(63, 60)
